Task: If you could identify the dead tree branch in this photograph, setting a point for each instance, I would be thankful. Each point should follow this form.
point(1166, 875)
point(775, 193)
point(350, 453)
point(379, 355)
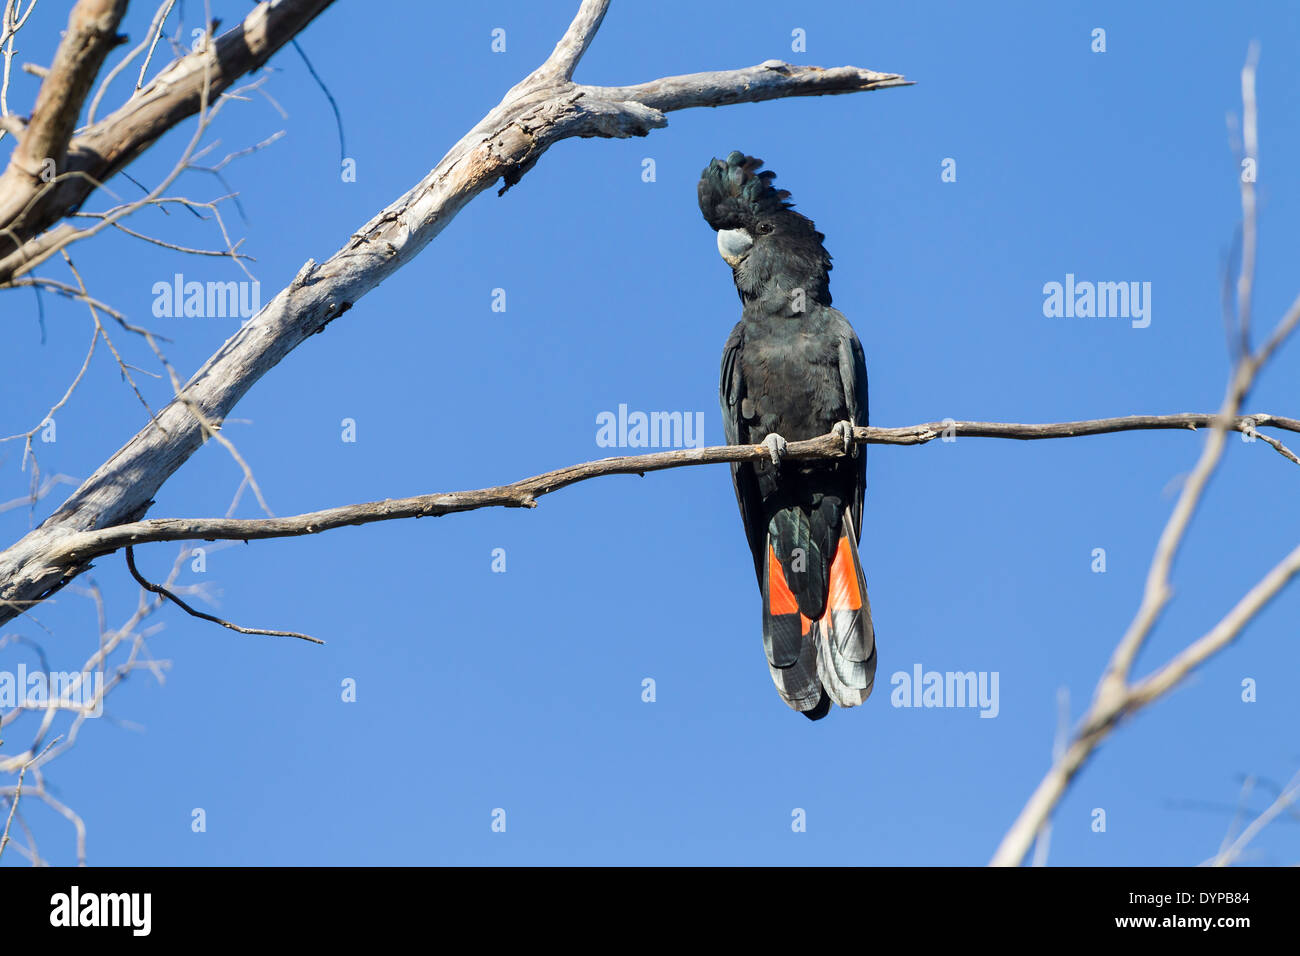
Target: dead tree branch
point(80, 548)
point(91, 34)
point(29, 206)
point(1229, 853)
point(17, 795)
point(160, 590)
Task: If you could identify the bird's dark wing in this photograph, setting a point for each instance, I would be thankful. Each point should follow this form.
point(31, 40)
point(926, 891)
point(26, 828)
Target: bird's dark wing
point(853, 376)
point(731, 393)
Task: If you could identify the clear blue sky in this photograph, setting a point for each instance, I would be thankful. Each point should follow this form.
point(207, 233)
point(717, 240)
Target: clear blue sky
point(523, 690)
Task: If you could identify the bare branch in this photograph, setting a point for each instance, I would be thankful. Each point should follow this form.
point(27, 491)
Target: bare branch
point(1043, 840)
point(44, 489)
point(27, 435)
point(10, 25)
point(232, 252)
point(165, 11)
point(559, 66)
point(193, 206)
point(1220, 636)
point(95, 307)
point(770, 80)
point(76, 549)
point(1250, 147)
point(154, 28)
point(91, 33)
point(42, 247)
point(159, 589)
point(175, 94)
point(83, 698)
point(18, 792)
point(1102, 719)
point(1227, 855)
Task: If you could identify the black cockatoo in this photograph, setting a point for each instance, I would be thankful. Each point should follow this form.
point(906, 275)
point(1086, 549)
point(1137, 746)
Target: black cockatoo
point(793, 369)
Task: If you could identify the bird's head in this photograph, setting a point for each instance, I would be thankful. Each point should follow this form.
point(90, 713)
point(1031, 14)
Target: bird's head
point(772, 250)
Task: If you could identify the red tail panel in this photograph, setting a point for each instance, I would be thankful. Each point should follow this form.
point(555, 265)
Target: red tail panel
point(843, 593)
point(779, 597)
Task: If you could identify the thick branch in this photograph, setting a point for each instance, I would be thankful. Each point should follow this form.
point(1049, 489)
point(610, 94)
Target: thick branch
point(29, 206)
point(559, 66)
point(503, 146)
point(91, 34)
point(770, 80)
point(80, 548)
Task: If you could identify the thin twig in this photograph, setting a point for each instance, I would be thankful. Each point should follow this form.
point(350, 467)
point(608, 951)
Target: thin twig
point(1228, 855)
point(338, 117)
point(18, 792)
point(159, 589)
point(159, 16)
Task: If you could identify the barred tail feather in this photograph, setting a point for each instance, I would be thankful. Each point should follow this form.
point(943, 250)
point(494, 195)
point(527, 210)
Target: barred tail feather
point(790, 641)
point(846, 640)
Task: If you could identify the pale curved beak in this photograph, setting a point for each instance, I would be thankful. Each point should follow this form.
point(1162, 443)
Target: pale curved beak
point(734, 245)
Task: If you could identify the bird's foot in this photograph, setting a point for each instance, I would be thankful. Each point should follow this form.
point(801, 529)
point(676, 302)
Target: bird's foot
point(845, 431)
point(775, 446)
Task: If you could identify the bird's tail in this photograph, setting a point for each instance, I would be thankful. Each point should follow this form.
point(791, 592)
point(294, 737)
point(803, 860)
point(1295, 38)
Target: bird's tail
point(832, 658)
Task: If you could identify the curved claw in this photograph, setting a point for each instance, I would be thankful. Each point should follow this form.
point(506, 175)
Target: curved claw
point(775, 446)
point(845, 431)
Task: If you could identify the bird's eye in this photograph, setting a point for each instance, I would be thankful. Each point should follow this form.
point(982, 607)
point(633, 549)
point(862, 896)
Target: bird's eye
point(764, 228)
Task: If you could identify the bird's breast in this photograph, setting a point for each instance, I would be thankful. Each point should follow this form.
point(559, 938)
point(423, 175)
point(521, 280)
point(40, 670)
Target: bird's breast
point(793, 385)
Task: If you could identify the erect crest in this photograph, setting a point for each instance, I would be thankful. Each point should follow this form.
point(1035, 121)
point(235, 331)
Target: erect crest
point(733, 193)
